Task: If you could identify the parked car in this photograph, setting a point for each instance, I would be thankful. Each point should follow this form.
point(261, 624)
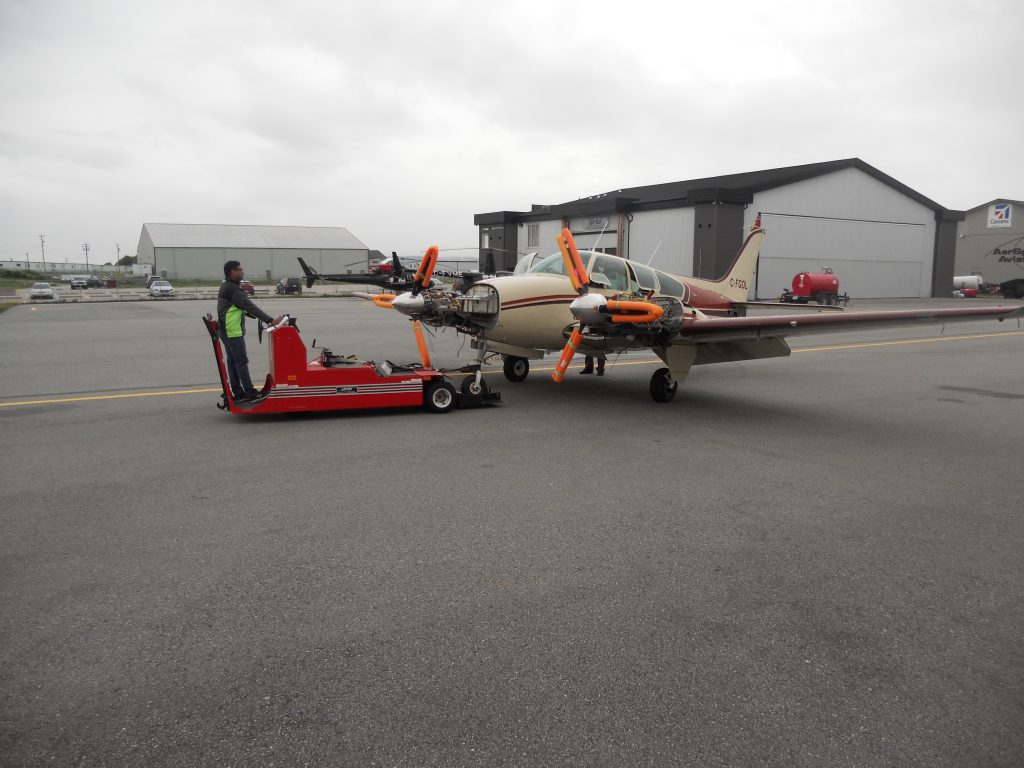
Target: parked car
point(79, 283)
point(150, 279)
point(249, 288)
point(161, 288)
point(93, 282)
point(289, 285)
point(41, 291)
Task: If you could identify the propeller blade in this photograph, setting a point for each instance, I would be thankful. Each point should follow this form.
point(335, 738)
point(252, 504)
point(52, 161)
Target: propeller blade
point(573, 262)
point(383, 300)
point(425, 270)
point(570, 268)
point(568, 353)
point(421, 344)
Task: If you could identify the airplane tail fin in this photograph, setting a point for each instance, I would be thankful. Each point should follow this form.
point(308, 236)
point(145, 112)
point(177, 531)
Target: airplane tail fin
point(310, 273)
point(739, 279)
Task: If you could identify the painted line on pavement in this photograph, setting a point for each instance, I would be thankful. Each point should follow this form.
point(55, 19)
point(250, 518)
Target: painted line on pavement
point(834, 347)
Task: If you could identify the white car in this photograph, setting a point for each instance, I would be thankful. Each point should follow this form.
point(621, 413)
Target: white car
point(161, 288)
point(41, 291)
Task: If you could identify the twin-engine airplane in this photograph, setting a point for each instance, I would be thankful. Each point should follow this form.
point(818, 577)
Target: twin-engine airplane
point(599, 304)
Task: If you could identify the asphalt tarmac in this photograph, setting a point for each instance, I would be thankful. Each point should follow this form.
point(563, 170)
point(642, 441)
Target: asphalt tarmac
point(813, 561)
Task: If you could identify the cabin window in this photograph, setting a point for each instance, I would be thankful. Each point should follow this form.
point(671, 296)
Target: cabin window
point(646, 278)
point(670, 287)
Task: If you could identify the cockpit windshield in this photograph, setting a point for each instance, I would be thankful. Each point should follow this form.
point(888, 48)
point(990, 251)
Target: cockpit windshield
point(552, 265)
point(525, 263)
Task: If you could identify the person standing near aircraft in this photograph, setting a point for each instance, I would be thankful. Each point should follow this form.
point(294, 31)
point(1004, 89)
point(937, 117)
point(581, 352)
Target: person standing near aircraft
point(588, 365)
point(232, 307)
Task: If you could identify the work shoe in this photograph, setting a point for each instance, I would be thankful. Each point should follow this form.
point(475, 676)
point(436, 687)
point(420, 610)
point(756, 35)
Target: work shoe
point(248, 397)
point(587, 370)
point(600, 372)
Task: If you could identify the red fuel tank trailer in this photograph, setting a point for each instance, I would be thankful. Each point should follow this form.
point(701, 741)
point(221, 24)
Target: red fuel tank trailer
point(822, 287)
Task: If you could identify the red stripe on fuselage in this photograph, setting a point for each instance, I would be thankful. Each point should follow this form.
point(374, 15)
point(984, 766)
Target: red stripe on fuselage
point(536, 301)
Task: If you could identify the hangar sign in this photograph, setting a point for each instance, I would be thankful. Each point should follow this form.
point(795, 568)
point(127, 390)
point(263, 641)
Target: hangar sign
point(1000, 215)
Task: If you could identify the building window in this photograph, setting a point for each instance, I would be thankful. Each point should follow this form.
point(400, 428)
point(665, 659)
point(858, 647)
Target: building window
point(532, 235)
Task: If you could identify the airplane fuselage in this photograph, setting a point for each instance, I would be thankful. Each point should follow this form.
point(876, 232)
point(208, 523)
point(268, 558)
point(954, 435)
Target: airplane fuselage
point(534, 308)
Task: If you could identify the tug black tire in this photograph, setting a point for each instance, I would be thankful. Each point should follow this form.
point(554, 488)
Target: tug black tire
point(439, 397)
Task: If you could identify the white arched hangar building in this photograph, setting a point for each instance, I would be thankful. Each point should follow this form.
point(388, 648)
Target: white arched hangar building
point(185, 251)
point(882, 238)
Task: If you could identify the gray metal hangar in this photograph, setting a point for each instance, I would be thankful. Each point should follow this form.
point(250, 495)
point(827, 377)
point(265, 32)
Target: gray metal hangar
point(990, 241)
point(187, 251)
point(882, 238)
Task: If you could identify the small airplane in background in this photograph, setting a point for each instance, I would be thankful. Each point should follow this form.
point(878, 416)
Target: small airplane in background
point(598, 304)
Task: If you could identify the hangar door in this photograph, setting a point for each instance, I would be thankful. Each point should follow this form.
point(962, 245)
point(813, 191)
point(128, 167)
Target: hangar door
point(872, 259)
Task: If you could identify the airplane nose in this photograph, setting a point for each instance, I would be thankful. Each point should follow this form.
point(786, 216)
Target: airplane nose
point(587, 308)
point(408, 304)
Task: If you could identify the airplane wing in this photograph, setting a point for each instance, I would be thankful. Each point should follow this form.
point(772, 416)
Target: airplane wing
point(697, 339)
point(707, 329)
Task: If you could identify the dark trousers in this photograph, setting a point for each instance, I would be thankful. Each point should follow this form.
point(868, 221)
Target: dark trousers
point(238, 366)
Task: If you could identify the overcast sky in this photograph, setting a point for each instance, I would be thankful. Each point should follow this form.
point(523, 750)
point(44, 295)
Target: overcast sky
point(401, 120)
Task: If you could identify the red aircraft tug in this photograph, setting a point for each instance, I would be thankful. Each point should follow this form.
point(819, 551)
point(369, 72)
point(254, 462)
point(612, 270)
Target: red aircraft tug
point(333, 382)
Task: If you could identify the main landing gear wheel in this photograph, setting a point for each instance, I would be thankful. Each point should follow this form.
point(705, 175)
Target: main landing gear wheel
point(663, 388)
point(470, 386)
point(439, 396)
point(516, 368)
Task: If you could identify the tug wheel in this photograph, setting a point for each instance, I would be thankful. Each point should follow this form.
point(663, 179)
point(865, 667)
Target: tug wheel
point(439, 396)
point(663, 387)
point(471, 387)
point(516, 368)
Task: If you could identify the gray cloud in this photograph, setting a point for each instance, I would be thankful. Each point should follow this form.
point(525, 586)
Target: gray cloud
point(400, 121)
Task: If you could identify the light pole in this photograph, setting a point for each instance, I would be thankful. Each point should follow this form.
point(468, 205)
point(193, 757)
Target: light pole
point(42, 247)
point(85, 249)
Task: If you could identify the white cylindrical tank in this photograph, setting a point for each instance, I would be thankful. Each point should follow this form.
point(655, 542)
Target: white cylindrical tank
point(968, 281)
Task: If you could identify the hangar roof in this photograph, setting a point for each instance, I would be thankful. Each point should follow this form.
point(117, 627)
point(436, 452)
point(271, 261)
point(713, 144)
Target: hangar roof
point(993, 202)
point(734, 187)
point(251, 236)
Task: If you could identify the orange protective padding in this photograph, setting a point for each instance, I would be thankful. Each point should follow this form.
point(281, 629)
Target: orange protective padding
point(573, 260)
point(570, 268)
point(421, 343)
point(644, 312)
point(426, 268)
point(567, 355)
point(383, 300)
point(581, 271)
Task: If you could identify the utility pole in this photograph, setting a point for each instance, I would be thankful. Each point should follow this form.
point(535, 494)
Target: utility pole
point(85, 248)
point(42, 247)
point(118, 252)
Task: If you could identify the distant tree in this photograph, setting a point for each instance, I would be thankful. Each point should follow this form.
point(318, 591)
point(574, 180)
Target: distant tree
point(127, 261)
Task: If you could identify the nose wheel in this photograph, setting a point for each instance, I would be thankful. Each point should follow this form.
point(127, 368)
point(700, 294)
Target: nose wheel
point(474, 385)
